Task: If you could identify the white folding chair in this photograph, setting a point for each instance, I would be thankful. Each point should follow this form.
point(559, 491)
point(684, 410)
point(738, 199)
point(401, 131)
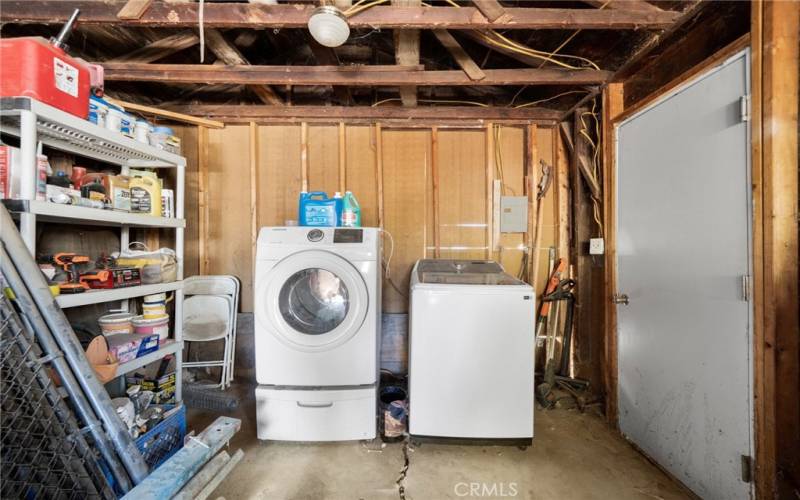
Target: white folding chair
point(217, 286)
point(207, 318)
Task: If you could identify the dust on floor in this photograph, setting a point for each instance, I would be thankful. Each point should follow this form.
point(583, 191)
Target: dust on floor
point(573, 456)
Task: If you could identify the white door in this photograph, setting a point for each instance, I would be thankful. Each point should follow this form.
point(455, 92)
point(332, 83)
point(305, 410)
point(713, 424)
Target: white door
point(683, 247)
point(314, 301)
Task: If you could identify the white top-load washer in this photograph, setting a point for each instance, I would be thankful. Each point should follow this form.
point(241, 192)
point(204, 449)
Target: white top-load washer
point(471, 351)
point(317, 316)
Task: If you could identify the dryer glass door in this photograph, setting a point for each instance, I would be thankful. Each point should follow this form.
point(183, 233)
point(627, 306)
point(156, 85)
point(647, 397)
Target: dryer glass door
point(314, 301)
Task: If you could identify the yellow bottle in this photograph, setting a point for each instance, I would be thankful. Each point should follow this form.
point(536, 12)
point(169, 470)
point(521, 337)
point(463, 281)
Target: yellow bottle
point(145, 196)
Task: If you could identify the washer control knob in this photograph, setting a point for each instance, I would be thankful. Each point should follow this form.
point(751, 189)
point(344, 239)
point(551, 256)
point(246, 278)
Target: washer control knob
point(315, 235)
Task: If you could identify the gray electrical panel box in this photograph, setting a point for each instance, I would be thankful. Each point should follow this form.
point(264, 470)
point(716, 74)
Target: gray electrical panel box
point(513, 214)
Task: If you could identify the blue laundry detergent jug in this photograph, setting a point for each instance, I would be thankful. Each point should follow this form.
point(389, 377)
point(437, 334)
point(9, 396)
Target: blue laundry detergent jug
point(316, 209)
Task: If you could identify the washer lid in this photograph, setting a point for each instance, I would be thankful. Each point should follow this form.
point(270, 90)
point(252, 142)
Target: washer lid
point(464, 272)
point(313, 300)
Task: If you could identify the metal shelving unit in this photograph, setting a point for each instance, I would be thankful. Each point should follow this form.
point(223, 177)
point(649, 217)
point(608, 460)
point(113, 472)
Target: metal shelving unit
point(33, 122)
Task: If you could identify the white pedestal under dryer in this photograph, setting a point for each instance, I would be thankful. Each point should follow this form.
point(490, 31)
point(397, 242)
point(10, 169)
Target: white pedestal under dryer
point(317, 318)
point(471, 352)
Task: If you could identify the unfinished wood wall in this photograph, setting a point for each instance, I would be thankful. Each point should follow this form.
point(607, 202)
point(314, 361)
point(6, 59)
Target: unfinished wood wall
point(393, 165)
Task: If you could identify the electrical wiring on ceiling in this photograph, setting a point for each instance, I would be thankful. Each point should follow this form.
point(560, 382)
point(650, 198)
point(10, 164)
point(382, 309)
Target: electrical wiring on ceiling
point(496, 39)
point(361, 5)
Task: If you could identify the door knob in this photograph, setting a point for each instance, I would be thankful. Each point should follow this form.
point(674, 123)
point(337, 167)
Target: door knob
point(621, 298)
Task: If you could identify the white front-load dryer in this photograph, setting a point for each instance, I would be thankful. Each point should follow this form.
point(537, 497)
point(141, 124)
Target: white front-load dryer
point(317, 314)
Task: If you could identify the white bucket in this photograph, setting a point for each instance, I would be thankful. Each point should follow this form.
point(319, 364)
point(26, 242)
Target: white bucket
point(116, 323)
point(156, 326)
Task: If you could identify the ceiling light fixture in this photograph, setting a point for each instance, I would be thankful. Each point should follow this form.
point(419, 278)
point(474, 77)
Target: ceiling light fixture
point(328, 25)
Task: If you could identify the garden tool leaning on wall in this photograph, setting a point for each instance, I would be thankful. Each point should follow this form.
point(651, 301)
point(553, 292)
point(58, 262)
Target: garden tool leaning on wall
point(557, 291)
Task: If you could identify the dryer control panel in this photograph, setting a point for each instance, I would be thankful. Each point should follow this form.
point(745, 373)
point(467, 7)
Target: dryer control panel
point(348, 235)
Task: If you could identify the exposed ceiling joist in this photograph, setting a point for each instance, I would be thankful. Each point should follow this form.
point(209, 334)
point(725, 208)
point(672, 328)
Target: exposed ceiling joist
point(231, 56)
point(161, 48)
point(641, 53)
point(523, 58)
point(493, 11)
point(473, 71)
point(344, 75)
point(632, 5)
point(406, 52)
point(134, 9)
point(336, 113)
point(242, 15)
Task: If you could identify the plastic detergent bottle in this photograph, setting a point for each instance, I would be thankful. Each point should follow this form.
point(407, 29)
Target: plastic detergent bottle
point(316, 209)
point(339, 204)
point(351, 211)
point(145, 196)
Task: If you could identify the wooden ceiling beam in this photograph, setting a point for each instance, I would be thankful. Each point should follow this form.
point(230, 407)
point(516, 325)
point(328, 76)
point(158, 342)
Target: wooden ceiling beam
point(160, 48)
point(630, 5)
point(336, 113)
point(639, 57)
point(473, 71)
point(231, 56)
point(344, 75)
point(493, 11)
point(406, 52)
point(517, 56)
point(243, 15)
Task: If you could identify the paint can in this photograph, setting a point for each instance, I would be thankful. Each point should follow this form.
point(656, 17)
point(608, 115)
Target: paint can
point(155, 326)
point(116, 323)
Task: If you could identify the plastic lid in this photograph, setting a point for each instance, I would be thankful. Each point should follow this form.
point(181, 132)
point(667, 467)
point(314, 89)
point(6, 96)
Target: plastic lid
point(162, 130)
point(113, 318)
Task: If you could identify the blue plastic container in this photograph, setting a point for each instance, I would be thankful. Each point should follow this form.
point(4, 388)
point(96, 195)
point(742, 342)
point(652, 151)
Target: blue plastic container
point(316, 209)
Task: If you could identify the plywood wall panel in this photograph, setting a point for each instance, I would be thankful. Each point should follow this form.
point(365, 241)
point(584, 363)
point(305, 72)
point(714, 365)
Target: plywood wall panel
point(462, 187)
point(278, 174)
point(405, 181)
point(510, 142)
point(360, 174)
point(408, 192)
point(544, 140)
point(189, 149)
point(323, 158)
point(229, 240)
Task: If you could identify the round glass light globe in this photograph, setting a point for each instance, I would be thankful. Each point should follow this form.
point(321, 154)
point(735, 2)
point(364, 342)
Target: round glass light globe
point(328, 26)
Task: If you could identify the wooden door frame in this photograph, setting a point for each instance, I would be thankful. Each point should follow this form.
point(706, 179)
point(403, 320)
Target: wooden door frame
point(773, 103)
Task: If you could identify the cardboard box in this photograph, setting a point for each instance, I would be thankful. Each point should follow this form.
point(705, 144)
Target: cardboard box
point(127, 347)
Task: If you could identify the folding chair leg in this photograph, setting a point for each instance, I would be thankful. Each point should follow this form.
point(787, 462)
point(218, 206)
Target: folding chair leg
point(233, 355)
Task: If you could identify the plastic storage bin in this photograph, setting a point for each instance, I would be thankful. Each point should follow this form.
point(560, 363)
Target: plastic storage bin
point(163, 440)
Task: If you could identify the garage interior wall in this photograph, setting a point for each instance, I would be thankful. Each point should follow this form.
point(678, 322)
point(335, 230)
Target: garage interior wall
point(221, 166)
point(432, 183)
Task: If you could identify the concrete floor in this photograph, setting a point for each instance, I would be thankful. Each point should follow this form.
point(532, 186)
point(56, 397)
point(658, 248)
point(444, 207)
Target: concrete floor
point(573, 455)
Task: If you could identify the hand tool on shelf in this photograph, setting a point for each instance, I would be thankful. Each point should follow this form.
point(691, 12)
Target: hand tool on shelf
point(68, 262)
point(112, 277)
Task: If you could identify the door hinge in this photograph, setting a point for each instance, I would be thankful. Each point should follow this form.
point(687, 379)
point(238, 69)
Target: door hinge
point(744, 107)
point(747, 468)
point(746, 288)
